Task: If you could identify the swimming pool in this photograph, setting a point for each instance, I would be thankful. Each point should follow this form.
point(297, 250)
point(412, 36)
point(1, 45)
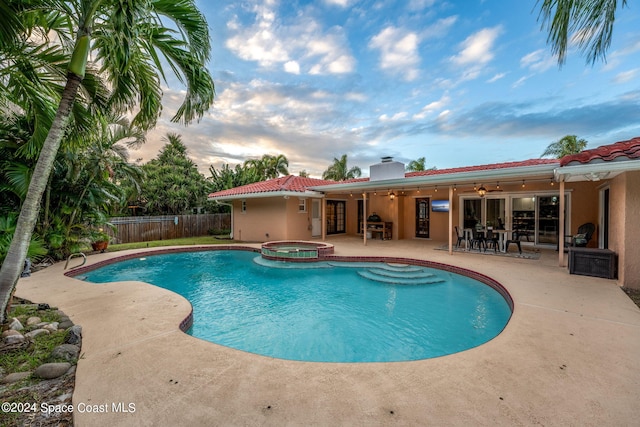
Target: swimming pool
point(325, 311)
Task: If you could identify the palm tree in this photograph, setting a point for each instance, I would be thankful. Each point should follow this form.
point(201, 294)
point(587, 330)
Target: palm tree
point(417, 165)
point(587, 22)
point(338, 171)
point(269, 167)
point(568, 144)
point(125, 38)
point(275, 165)
point(96, 168)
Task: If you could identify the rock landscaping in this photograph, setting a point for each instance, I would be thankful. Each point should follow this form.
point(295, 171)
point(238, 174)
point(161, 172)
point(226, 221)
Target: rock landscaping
point(39, 349)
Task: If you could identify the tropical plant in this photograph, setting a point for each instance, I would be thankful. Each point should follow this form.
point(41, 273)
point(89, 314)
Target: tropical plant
point(568, 144)
point(269, 167)
point(418, 165)
point(172, 182)
point(127, 39)
point(339, 171)
point(588, 23)
point(226, 177)
point(36, 248)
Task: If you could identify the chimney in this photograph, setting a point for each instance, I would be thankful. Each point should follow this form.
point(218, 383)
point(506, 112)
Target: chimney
point(386, 169)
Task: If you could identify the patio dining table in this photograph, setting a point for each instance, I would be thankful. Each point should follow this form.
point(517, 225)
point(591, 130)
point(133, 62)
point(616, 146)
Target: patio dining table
point(468, 235)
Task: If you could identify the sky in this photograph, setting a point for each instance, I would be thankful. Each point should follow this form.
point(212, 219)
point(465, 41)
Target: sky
point(460, 83)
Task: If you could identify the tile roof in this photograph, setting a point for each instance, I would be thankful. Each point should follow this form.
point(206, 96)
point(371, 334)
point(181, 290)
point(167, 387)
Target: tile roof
point(523, 163)
point(623, 150)
point(289, 183)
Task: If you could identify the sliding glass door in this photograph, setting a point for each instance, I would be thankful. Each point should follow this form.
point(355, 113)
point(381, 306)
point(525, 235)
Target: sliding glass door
point(535, 216)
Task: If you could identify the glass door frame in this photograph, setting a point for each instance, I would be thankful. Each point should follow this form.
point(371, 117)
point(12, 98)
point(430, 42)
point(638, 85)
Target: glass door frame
point(418, 219)
point(508, 197)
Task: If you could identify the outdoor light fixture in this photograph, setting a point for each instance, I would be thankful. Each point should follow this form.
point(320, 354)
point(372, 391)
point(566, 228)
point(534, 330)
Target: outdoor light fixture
point(552, 183)
point(523, 183)
point(474, 187)
point(392, 195)
point(454, 187)
point(498, 185)
point(436, 188)
point(482, 191)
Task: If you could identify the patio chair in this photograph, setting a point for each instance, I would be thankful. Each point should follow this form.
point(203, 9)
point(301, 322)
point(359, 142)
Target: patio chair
point(515, 238)
point(585, 232)
point(478, 239)
point(491, 241)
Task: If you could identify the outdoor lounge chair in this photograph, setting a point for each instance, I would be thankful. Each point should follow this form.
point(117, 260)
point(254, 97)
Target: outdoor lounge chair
point(585, 232)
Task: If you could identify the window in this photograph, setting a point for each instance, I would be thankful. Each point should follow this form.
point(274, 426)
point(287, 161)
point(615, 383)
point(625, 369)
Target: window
point(243, 207)
point(302, 205)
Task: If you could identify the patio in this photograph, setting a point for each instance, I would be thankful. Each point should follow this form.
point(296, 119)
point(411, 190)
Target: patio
point(568, 356)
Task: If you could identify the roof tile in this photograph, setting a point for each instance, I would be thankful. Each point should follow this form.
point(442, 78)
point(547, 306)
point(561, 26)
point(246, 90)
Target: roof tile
point(523, 163)
point(629, 149)
point(291, 183)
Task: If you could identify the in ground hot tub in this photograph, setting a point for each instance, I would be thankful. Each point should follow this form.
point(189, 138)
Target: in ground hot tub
point(295, 250)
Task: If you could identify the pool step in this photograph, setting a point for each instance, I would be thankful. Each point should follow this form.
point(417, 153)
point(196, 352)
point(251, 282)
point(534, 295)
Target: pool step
point(373, 264)
point(401, 267)
point(407, 274)
point(404, 280)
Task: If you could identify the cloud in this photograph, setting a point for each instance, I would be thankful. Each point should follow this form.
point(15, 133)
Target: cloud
point(520, 81)
point(420, 4)
point(512, 120)
point(440, 28)
point(433, 107)
point(477, 49)
point(292, 67)
point(626, 76)
point(340, 3)
point(616, 57)
point(270, 41)
point(308, 125)
point(538, 61)
point(398, 51)
point(496, 77)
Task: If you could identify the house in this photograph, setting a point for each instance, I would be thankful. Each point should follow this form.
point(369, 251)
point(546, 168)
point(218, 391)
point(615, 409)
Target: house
point(544, 199)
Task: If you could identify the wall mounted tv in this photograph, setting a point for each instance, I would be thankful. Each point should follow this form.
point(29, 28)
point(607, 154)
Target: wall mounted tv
point(439, 206)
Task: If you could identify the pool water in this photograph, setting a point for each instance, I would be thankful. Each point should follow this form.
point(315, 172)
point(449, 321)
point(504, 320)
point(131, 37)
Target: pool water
point(329, 314)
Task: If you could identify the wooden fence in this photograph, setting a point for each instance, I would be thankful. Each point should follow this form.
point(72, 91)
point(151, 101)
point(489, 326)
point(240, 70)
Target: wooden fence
point(146, 228)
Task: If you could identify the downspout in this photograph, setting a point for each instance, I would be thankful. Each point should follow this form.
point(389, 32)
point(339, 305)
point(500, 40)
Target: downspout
point(231, 206)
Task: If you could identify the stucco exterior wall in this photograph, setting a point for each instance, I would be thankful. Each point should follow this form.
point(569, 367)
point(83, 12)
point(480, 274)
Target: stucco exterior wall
point(264, 219)
point(271, 218)
point(624, 227)
point(298, 224)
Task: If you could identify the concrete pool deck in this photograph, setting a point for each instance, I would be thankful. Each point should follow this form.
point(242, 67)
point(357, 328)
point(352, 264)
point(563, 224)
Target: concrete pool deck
point(569, 356)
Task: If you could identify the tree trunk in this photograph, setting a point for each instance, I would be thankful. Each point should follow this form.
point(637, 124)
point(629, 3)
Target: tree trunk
point(14, 261)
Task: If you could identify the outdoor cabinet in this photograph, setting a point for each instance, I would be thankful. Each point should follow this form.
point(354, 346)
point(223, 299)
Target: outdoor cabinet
point(593, 262)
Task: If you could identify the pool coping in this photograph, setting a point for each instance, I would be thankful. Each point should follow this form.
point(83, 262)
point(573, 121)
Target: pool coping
point(568, 355)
